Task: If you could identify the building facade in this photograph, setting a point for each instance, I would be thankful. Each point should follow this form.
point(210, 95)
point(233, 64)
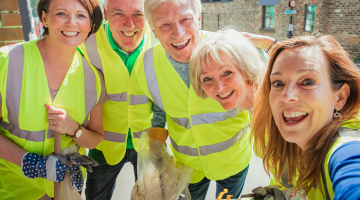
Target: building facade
point(340, 18)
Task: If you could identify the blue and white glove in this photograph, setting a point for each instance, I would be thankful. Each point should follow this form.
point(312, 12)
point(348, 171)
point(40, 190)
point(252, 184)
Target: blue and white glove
point(76, 177)
point(74, 161)
point(38, 166)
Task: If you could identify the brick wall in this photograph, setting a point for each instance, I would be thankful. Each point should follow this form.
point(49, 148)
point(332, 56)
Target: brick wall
point(10, 23)
point(340, 18)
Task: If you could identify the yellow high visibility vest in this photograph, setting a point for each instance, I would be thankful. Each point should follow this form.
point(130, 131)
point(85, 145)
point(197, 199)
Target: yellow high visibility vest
point(24, 91)
point(98, 52)
point(347, 133)
point(204, 136)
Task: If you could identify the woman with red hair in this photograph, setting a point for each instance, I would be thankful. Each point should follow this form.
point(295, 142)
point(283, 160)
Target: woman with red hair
point(304, 123)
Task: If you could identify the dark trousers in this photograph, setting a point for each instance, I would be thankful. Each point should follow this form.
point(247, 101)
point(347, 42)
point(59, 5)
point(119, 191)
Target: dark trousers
point(234, 184)
point(100, 184)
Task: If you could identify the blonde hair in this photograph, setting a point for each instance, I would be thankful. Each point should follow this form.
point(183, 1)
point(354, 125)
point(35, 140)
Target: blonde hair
point(234, 44)
point(151, 5)
point(275, 150)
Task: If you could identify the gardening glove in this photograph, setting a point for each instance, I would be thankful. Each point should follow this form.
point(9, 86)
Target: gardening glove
point(74, 161)
point(261, 193)
point(38, 166)
point(83, 160)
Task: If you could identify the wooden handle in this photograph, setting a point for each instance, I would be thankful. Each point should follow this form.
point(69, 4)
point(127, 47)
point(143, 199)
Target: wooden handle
point(57, 150)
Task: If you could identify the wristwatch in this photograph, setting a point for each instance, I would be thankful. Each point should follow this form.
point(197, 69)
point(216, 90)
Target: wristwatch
point(78, 132)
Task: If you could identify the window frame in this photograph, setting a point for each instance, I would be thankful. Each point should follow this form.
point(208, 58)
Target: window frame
point(306, 13)
point(264, 17)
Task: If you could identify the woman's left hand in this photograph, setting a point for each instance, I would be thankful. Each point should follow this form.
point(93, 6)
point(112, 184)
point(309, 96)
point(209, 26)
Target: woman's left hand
point(60, 121)
point(260, 41)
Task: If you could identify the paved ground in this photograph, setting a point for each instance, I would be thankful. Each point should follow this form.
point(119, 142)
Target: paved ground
point(256, 177)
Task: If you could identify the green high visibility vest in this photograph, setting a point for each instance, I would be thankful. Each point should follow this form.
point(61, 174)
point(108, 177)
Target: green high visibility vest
point(204, 136)
point(97, 51)
point(347, 133)
point(24, 91)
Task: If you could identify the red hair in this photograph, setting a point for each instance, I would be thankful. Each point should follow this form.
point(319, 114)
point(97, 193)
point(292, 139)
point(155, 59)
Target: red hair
point(268, 142)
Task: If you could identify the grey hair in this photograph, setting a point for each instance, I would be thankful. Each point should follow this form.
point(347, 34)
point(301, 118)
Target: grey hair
point(151, 5)
point(240, 50)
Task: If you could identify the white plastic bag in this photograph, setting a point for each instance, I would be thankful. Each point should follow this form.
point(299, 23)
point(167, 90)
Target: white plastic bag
point(158, 177)
point(67, 191)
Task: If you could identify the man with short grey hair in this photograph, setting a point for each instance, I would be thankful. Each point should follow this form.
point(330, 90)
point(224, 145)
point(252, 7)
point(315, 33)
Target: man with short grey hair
point(114, 50)
point(204, 136)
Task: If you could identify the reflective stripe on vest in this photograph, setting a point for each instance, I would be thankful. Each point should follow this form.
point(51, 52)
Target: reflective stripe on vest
point(138, 99)
point(92, 51)
point(118, 97)
point(94, 57)
point(209, 118)
point(138, 134)
point(13, 95)
point(343, 132)
point(115, 137)
point(209, 149)
point(205, 118)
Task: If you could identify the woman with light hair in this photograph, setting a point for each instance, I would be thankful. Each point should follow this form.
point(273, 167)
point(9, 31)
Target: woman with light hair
point(227, 67)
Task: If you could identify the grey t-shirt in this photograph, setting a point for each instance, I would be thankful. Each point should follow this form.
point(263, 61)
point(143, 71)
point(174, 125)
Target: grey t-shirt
point(159, 116)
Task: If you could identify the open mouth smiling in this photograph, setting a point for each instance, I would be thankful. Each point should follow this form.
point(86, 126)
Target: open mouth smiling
point(181, 45)
point(129, 34)
point(226, 95)
point(69, 33)
point(294, 117)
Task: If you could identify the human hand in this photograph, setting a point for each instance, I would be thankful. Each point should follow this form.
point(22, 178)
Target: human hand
point(60, 121)
point(260, 41)
point(35, 166)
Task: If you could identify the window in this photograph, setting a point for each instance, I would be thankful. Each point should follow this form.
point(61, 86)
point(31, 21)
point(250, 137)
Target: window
point(309, 17)
point(215, 0)
point(268, 21)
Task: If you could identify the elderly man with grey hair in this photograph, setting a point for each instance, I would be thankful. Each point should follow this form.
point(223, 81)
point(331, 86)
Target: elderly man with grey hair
point(203, 135)
point(114, 50)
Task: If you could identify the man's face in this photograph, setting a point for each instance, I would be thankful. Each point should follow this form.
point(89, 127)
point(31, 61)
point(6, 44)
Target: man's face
point(127, 22)
point(177, 29)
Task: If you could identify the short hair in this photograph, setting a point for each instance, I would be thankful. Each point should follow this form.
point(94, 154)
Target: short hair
point(275, 150)
point(92, 7)
point(151, 5)
point(234, 44)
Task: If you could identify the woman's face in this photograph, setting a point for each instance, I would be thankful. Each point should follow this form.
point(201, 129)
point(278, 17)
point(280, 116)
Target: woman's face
point(224, 83)
point(68, 22)
point(301, 97)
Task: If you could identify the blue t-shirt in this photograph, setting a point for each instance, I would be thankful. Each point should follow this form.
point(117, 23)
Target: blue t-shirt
point(344, 170)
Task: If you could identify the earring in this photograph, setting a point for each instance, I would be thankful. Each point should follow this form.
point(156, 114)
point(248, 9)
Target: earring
point(45, 25)
point(337, 114)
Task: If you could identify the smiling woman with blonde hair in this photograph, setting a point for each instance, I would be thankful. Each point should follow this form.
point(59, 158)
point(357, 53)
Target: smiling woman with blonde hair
point(305, 124)
point(227, 67)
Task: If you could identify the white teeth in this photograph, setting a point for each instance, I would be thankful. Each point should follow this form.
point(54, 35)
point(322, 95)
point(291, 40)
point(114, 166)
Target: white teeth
point(181, 43)
point(294, 114)
point(224, 96)
point(129, 34)
point(70, 33)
